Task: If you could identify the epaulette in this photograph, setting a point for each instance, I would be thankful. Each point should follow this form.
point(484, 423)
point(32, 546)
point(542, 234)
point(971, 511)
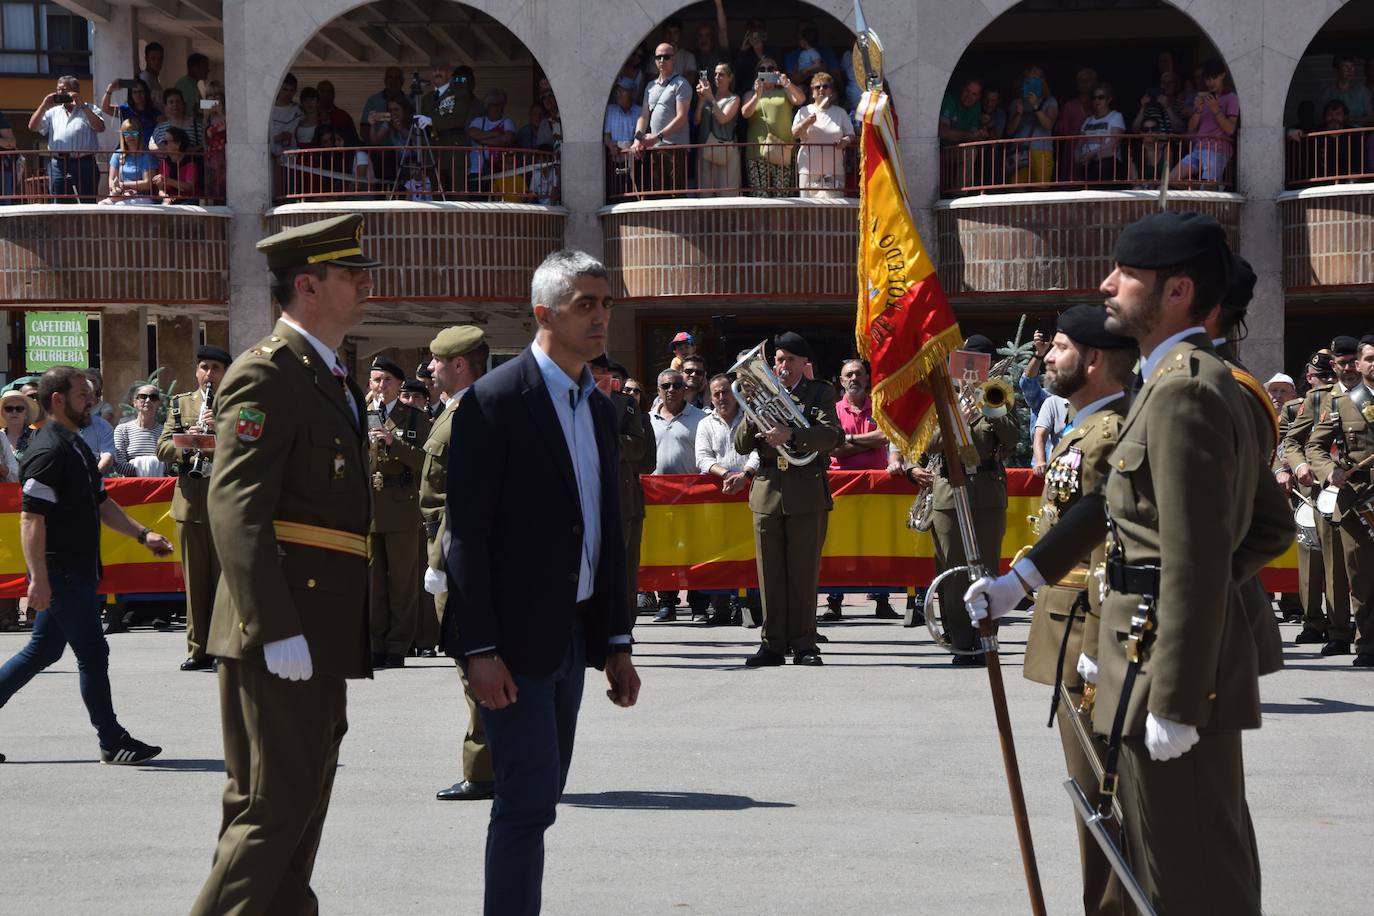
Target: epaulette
point(1177, 364)
point(1252, 385)
point(1111, 422)
point(267, 347)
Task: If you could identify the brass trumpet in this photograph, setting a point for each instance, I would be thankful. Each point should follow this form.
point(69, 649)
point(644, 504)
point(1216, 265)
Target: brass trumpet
point(995, 397)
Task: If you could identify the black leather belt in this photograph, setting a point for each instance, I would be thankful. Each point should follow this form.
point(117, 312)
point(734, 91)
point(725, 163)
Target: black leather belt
point(1131, 579)
point(397, 480)
point(991, 465)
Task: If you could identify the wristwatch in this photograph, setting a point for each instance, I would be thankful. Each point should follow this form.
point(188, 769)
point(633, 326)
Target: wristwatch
point(640, 135)
point(142, 537)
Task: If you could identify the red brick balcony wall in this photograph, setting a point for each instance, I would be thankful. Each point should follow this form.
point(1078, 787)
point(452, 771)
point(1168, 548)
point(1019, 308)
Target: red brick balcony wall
point(1328, 239)
point(784, 250)
point(458, 252)
point(83, 255)
point(1048, 242)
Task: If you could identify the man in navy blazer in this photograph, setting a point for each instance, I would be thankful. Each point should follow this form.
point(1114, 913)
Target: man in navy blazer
point(536, 563)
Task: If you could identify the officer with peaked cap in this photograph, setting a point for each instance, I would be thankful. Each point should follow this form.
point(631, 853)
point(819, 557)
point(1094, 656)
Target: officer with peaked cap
point(1192, 512)
point(289, 507)
point(199, 563)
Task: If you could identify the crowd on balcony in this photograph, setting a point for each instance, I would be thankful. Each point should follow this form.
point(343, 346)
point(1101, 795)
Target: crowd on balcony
point(1332, 139)
point(1024, 133)
point(433, 137)
point(711, 119)
point(171, 146)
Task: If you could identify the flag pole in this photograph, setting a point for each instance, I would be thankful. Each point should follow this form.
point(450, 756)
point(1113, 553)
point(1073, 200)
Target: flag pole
point(943, 392)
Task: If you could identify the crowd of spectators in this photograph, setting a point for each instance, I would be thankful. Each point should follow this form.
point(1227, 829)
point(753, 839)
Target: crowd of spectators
point(1185, 129)
point(70, 128)
point(763, 120)
point(1339, 108)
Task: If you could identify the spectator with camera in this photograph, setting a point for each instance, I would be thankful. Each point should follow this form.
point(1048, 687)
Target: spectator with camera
point(663, 129)
point(711, 41)
point(769, 110)
point(393, 134)
point(1032, 117)
point(717, 112)
point(1214, 122)
point(825, 132)
point(376, 107)
point(1163, 105)
point(70, 125)
point(137, 107)
point(131, 169)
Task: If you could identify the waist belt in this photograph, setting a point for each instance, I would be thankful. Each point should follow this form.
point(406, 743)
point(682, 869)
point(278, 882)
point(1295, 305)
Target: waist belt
point(397, 480)
point(1129, 579)
point(990, 465)
point(1074, 578)
point(323, 538)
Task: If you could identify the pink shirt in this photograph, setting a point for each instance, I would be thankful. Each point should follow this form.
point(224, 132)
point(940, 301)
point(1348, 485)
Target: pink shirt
point(855, 421)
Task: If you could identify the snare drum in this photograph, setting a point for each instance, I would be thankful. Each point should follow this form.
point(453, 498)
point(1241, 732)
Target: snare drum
point(1364, 510)
point(1326, 501)
point(1306, 518)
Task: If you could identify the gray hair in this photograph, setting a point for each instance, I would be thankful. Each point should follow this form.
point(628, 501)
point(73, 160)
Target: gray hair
point(669, 374)
point(553, 280)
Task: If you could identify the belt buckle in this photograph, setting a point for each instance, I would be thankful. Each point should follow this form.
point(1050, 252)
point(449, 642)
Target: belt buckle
point(783, 464)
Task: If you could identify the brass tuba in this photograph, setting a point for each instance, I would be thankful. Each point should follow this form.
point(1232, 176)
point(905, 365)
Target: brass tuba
point(921, 515)
point(765, 402)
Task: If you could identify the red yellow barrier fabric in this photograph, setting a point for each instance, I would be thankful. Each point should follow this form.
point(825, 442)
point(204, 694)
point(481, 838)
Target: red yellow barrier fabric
point(694, 537)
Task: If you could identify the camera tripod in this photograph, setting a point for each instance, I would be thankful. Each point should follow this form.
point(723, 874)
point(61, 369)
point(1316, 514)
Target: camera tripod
point(417, 152)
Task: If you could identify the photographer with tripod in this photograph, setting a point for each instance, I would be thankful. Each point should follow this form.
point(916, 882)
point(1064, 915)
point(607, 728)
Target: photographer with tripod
point(445, 110)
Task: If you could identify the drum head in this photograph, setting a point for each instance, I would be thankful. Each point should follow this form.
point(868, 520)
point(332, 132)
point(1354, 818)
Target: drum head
point(1306, 516)
point(1326, 500)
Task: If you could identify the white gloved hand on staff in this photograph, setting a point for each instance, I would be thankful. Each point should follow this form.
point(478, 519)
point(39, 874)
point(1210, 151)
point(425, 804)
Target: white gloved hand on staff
point(1166, 739)
point(436, 583)
point(1087, 668)
point(993, 598)
point(289, 658)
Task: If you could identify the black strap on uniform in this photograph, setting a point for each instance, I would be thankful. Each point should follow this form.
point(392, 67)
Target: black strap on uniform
point(1142, 623)
point(1080, 602)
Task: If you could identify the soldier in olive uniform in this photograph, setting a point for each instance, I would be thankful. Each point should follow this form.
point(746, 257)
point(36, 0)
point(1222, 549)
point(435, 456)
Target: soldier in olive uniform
point(791, 505)
point(995, 434)
point(289, 509)
point(1349, 427)
point(1090, 366)
point(638, 455)
point(199, 563)
point(460, 356)
point(1193, 512)
point(449, 107)
point(397, 437)
point(1321, 572)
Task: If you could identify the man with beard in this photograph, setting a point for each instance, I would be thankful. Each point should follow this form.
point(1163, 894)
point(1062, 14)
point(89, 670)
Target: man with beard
point(63, 506)
point(1191, 512)
point(1090, 366)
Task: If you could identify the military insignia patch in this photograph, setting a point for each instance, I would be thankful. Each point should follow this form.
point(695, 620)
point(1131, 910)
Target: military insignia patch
point(250, 424)
point(1368, 411)
point(339, 466)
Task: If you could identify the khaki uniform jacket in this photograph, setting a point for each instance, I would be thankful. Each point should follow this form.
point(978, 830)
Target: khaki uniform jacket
point(638, 453)
point(800, 489)
point(1342, 422)
point(451, 115)
point(397, 505)
point(1079, 464)
point(434, 483)
point(1189, 492)
point(1290, 453)
point(995, 439)
point(289, 450)
point(188, 502)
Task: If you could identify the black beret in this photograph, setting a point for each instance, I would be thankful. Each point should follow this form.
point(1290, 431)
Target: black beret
point(218, 354)
point(1169, 238)
point(414, 386)
point(980, 344)
point(619, 369)
point(601, 362)
point(1367, 340)
point(422, 371)
point(1320, 362)
point(1241, 289)
point(1087, 325)
point(1345, 345)
point(793, 343)
point(389, 366)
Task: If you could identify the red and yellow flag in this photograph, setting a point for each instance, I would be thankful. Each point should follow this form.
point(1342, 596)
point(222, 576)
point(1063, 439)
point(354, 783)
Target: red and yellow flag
point(905, 325)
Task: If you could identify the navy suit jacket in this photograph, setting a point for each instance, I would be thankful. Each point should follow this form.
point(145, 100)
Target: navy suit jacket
point(515, 527)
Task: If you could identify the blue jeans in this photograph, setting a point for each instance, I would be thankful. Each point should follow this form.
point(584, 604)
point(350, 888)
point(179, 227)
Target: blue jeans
point(69, 175)
point(531, 744)
point(72, 617)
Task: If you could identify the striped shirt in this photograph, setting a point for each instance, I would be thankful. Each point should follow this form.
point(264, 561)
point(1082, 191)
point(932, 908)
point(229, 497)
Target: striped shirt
point(134, 441)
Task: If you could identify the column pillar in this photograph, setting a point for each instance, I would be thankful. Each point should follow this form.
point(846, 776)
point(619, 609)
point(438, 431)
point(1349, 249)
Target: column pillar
point(114, 52)
point(123, 350)
point(176, 351)
point(583, 194)
point(1260, 174)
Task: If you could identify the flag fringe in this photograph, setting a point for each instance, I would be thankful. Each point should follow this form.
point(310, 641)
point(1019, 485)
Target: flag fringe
point(935, 353)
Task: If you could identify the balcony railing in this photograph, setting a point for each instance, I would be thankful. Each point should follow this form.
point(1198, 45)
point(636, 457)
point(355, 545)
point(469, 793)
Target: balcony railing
point(1329, 157)
point(731, 170)
point(1115, 161)
point(152, 177)
point(418, 173)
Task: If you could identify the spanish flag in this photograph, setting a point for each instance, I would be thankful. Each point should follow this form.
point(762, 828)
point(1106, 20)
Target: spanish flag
point(905, 327)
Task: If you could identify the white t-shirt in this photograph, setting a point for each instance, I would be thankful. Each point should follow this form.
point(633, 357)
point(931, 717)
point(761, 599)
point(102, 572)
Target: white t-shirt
point(1095, 126)
point(832, 125)
point(285, 120)
point(477, 158)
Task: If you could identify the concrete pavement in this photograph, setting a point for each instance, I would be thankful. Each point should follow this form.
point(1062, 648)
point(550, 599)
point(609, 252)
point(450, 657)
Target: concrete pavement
point(870, 786)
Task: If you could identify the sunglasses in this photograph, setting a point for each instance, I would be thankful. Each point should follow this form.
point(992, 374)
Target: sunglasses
point(768, 69)
point(16, 408)
point(663, 57)
point(670, 386)
point(147, 397)
point(686, 371)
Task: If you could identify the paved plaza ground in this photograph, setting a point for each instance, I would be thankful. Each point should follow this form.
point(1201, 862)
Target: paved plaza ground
point(870, 786)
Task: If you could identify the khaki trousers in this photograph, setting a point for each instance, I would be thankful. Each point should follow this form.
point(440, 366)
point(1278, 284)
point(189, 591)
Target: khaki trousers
point(788, 548)
point(1357, 549)
point(476, 752)
point(1335, 622)
point(281, 746)
point(200, 570)
point(1102, 892)
point(427, 620)
point(990, 525)
point(394, 581)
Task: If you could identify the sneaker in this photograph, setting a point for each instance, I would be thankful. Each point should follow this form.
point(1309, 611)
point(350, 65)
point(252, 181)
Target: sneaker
point(129, 750)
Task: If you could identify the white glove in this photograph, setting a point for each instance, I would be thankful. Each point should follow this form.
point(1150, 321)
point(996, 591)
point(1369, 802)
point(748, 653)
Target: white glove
point(289, 659)
point(436, 583)
point(424, 121)
point(1087, 668)
point(1165, 739)
point(995, 598)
